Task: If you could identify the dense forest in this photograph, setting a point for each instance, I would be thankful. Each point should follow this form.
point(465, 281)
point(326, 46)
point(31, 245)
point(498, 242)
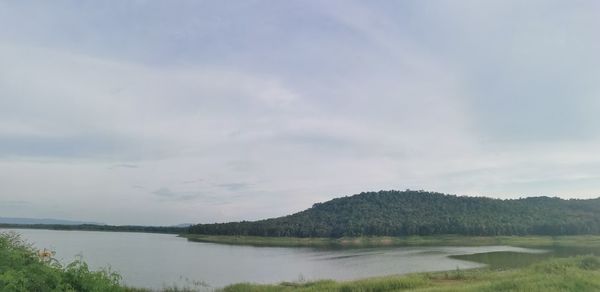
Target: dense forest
point(398, 213)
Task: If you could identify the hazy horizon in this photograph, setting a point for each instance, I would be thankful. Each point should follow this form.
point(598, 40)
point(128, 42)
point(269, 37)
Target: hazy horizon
point(74, 221)
point(160, 113)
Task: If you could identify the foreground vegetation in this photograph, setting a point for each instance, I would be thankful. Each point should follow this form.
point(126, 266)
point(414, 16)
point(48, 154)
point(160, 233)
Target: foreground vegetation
point(396, 213)
point(22, 269)
point(570, 274)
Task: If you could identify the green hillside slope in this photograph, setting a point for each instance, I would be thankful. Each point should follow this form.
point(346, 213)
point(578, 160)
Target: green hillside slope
point(397, 213)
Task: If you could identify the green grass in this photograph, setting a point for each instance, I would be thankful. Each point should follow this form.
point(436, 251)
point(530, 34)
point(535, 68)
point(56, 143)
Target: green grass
point(376, 241)
point(571, 274)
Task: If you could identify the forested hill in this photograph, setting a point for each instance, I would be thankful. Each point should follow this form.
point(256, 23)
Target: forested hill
point(396, 213)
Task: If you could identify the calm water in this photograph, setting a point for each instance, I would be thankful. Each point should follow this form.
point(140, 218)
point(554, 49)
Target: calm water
point(156, 260)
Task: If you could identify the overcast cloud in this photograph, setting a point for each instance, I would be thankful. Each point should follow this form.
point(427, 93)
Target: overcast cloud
point(163, 112)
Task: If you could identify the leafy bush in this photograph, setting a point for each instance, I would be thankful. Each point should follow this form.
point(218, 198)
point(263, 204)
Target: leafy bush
point(21, 269)
point(590, 263)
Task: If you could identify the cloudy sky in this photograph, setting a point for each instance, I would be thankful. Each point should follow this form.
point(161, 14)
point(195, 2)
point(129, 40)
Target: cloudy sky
point(163, 112)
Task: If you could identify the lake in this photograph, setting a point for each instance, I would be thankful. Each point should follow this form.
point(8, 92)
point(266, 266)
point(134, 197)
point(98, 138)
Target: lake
point(155, 260)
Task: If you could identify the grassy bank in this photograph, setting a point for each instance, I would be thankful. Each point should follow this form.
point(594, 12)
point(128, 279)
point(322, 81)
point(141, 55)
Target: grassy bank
point(570, 274)
point(438, 240)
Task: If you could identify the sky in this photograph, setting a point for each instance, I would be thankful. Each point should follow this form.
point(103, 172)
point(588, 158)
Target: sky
point(167, 112)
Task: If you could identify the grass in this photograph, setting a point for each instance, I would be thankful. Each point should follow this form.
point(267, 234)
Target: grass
point(580, 273)
point(378, 241)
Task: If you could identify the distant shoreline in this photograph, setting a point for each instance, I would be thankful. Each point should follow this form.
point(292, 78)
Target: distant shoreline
point(387, 241)
point(92, 227)
point(342, 242)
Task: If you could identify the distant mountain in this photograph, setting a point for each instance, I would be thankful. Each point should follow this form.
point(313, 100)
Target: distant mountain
point(399, 213)
point(43, 221)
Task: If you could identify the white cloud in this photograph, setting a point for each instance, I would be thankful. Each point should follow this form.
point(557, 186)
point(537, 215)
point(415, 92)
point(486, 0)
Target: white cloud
point(267, 119)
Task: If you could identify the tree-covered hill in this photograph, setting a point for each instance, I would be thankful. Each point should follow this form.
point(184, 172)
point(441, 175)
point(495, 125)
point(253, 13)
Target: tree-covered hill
point(396, 213)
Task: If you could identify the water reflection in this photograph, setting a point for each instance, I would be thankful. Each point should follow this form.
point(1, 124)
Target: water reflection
point(510, 259)
point(155, 260)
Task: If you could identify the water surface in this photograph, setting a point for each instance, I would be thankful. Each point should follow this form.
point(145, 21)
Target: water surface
point(155, 260)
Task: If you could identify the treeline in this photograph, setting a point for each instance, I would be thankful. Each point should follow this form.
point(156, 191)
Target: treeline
point(400, 213)
point(93, 227)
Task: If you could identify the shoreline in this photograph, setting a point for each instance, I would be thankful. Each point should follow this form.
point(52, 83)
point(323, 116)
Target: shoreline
point(388, 241)
point(578, 272)
point(581, 273)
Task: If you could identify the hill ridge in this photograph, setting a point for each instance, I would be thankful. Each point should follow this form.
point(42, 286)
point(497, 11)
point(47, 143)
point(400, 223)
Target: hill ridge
point(399, 213)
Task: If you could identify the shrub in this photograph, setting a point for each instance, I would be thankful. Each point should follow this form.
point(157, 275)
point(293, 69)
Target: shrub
point(22, 270)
